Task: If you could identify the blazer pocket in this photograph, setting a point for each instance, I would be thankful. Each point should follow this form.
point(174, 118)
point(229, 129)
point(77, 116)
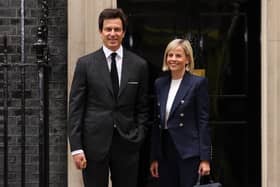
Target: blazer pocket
point(132, 82)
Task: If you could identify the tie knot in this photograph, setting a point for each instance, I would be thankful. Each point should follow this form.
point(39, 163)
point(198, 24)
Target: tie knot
point(113, 55)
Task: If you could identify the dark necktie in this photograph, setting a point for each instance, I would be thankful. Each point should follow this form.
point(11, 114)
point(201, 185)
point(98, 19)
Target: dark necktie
point(114, 75)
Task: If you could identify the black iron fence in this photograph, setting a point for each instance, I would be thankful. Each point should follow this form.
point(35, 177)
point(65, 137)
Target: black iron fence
point(25, 94)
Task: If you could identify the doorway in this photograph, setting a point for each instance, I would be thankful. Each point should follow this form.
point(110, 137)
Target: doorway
point(225, 37)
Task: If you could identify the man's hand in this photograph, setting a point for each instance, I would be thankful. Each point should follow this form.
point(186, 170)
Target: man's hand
point(80, 161)
point(154, 169)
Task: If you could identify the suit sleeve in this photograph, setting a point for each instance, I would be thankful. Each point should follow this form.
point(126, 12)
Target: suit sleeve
point(77, 102)
point(202, 118)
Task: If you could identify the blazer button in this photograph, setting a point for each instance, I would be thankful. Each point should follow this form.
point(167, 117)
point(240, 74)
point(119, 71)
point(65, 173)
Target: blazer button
point(181, 125)
point(159, 126)
point(182, 101)
point(182, 114)
point(115, 126)
point(158, 116)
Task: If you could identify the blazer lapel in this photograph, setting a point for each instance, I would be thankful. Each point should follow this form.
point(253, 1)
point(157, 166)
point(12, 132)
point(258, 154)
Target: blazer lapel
point(124, 74)
point(102, 67)
point(164, 89)
point(182, 92)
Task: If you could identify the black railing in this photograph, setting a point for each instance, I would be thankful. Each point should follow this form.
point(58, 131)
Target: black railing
point(42, 58)
point(42, 51)
point(5, 110)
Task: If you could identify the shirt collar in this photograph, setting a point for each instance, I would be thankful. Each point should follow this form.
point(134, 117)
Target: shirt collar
point(108, 51)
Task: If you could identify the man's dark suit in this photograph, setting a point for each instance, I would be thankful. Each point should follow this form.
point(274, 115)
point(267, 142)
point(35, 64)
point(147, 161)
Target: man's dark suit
point(95, 115)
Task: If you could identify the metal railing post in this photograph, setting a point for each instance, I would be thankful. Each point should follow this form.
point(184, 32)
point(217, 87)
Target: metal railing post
point(42, 61)
point(5, 112)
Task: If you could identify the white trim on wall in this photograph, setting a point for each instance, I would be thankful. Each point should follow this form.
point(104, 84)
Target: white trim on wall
point(83, 38)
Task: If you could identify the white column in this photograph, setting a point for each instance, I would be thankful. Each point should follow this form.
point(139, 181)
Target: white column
point(270, 44)
point(83, 38)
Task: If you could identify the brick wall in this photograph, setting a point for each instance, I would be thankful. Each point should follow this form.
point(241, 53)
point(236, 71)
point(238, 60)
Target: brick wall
point(10, 26)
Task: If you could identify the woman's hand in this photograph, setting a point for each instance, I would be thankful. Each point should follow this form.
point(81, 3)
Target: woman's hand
point(204, 168)
point(154, 169)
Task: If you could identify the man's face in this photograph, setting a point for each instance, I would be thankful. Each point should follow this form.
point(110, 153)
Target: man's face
point(112, 33)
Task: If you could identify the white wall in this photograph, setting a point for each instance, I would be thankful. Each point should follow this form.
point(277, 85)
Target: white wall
point(270, 45)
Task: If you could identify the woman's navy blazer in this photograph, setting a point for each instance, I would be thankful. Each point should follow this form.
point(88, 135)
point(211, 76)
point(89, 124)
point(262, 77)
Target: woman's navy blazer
point(188, 118)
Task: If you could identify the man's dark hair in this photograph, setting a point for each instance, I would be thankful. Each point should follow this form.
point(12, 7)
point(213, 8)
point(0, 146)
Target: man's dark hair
point(111, 13)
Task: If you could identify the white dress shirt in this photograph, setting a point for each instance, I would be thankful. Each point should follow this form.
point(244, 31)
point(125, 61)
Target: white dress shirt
point(119, 59)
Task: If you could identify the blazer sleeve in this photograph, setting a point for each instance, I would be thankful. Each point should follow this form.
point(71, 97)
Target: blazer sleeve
point(202, 101)
point(156, 131)
point(77, 104)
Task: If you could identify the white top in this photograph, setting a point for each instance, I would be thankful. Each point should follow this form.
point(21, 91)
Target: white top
point(174, 86)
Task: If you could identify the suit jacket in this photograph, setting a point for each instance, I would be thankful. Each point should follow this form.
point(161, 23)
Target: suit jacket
point(188, 118)
point(93, 111)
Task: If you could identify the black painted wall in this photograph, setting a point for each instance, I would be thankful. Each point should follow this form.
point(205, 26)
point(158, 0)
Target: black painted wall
point(10, 26)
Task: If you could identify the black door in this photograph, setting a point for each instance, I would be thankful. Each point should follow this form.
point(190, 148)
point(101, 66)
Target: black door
point(225, 37)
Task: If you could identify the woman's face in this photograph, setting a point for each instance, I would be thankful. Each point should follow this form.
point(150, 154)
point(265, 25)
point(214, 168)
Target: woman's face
point(177, 60)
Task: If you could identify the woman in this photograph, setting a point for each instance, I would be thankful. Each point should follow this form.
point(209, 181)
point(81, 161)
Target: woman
point(181, 143)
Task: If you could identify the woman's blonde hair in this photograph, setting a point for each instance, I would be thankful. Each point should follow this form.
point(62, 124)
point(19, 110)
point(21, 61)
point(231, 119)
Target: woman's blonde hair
point(186, 45)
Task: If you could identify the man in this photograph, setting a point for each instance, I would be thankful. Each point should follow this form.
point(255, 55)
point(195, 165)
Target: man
point(108, 108)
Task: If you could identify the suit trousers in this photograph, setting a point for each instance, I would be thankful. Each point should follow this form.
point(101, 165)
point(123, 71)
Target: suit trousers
point(173, 170)
point(122, 161)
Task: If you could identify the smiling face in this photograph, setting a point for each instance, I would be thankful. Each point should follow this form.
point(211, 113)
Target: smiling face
point(176, 60)
point(112, 33)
